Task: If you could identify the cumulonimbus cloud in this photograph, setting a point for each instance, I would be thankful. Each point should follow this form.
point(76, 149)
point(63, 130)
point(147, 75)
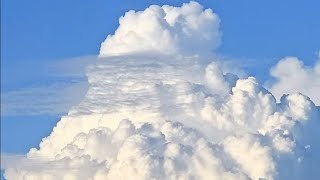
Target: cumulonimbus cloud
point(170, 116)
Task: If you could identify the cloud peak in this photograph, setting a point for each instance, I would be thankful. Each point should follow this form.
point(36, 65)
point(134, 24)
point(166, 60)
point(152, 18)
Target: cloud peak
point(189, 30)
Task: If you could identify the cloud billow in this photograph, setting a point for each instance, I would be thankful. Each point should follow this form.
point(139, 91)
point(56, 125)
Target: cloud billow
point(187, 30)
point(293, 76)
point(169, 116)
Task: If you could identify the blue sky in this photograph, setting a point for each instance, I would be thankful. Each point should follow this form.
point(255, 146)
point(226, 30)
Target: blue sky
point(36, 34)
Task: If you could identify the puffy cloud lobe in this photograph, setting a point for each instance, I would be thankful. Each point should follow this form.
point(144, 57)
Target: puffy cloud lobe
point(293, 76)
point(258, 163)
point(188, 30)
point(171, 117)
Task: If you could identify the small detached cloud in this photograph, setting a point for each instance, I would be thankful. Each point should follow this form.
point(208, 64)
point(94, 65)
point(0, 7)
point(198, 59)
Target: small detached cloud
point(293, 76)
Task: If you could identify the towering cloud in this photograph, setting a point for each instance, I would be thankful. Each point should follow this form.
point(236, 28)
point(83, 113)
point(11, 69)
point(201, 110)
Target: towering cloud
point(155, 110)
point(167, 30)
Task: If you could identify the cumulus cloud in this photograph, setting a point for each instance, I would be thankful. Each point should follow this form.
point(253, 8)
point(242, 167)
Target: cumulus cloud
point(188, 29)
point(172, 116)
point(293, 76)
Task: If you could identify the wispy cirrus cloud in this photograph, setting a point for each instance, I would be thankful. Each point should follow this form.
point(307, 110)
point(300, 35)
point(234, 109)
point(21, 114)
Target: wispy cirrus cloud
point(51, 91)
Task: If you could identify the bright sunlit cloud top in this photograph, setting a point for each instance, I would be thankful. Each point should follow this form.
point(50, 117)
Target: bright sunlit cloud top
point(189, 30)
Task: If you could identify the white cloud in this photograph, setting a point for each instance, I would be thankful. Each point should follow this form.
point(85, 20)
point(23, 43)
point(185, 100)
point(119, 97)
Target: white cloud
point(188, 29)
point(161, 116)
point(293, 76)
point(146, 118)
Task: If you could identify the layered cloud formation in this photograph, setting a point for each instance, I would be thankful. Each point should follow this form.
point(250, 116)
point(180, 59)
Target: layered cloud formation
point(168, 115)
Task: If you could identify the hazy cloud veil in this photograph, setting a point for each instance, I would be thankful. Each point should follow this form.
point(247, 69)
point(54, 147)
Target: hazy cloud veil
point(156, 110)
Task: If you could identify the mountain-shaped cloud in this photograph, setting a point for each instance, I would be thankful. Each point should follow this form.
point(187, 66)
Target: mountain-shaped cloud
point(187, 30)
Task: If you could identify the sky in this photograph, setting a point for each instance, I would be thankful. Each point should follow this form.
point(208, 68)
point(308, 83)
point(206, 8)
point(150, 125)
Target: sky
point(46, 45)
point(35, 32)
